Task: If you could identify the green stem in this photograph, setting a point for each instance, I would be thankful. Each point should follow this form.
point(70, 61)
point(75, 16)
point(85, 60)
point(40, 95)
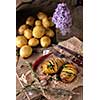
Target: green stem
point(35, 77)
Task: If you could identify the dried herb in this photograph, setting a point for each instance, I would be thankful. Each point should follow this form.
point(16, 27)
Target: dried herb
point(50, 78)
point(50, 65)
point(34, 75)
point(57, 77)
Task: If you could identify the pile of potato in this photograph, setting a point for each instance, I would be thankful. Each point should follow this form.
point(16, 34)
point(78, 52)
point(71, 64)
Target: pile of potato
point(41, 33)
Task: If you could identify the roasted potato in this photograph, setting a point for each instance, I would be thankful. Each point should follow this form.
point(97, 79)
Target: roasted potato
point(45, 22)
point(50, 33)
point(38, 23)
point(51, 66)
point(20, 41)
point(30, 21)
point(25, 51)
point(45, 41)
point(68, 73)
point(22, 28)
point(38, 31)
point(28, 33)
point(33, 42)
point(41, 15)
point(59, 62)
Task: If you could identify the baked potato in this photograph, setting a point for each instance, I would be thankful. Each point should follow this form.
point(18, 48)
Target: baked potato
point(22, 28)
point(41, 15)
point(45, 22)
point(25, 51)
point(30, 21)
point(33, 42)
point(68, 73)
point(38, 31)
point(28, 33)
point(50, 33)
point(20, 41)
point(52, 66)
point(38, 23)
point(45, 41)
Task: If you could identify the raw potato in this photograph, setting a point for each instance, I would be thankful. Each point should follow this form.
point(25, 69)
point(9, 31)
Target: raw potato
point(22, 28)
point(51, 23)
point(30, 21)
point(38, 23)
point(46, 23)
point(33, 42)
point(41, 15)
point(49, 32)
point(25, 51)
point(28, 33)
point(45, 41)
point(20, 41)
point(38, 31)
point(68, 73)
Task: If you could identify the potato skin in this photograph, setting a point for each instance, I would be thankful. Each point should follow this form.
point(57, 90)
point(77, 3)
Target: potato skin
point(38, 31)
point(33, 42)
point(50, 33)
point(28, 33)
point(30, 21)
point(38, 23)
point(25, 51)
point(41, 15)
point(51, 23)
point(22, 28)
point(46, 22)
point(68, 73)
point(45, 41)
point(48, 70)
point(20, 41)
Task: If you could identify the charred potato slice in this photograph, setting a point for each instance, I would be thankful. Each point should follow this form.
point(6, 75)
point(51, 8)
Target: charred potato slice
point(68, 73)
point(59, 62)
